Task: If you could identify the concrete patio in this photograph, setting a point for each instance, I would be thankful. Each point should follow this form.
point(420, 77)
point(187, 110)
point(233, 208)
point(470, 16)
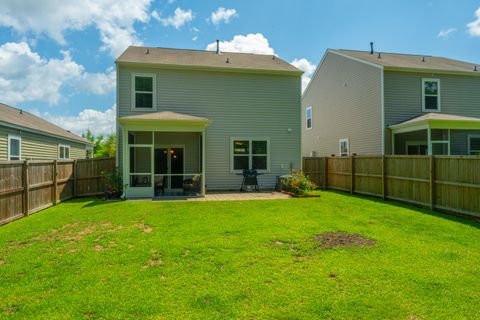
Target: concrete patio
point(230, 196)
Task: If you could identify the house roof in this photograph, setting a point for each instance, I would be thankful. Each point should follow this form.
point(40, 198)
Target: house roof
point(410, 61)
point(165, 116)
point(205, 59)
point(23, 119)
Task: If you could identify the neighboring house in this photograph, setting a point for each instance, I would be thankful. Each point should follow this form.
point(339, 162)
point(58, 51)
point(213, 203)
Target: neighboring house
point(361, 102)
point(24, 136)
point(188, 120)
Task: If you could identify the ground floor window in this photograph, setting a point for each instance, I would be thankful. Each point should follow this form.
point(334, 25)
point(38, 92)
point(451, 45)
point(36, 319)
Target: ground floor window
point(344, 147)
point(250, 154)
point(14, 147)
point(63, 151)
point(417, 148)
point(474, 144)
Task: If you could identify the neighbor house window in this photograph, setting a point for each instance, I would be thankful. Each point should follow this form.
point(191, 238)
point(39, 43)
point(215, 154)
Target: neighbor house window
point(344, 147)
point(143, 91)
point(250, 154)
point(14, 147)
point(431, 95)
point(474, 144)
point(308, 117)
point(63, 151)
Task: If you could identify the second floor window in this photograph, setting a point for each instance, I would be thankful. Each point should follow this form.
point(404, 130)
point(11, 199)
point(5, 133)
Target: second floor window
point(309, 118)
point(344, 147)
point(144, 92)
point(431, 95)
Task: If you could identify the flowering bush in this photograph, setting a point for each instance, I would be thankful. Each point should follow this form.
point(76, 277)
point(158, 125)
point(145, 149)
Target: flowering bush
point(298, 183)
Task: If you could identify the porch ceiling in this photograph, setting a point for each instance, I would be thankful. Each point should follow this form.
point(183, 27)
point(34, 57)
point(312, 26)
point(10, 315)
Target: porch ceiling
point(436, 121)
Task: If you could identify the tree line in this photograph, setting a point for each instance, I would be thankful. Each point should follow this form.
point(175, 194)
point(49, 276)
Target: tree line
point(102, 146)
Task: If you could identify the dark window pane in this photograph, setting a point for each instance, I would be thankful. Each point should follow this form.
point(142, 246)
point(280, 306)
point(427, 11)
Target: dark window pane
point(62, 152)
point(143, 84)
point(143, 100)
point(67, 153)
point(309, 123)
point(475, 145)
point(241, 147)
point(412, 150)
point(15, 147)
point(259, 162)
point(431, 87)
point(423, 150)
point(259, 147)
point(140, 181)
point(440, 149)
point(431, 103)
point(240, 162)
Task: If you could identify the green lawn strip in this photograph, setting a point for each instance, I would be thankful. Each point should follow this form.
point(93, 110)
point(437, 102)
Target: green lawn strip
point(254, 259)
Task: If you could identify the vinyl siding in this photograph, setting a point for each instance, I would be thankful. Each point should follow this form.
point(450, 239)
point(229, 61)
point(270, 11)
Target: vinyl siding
point(459, 95)
point(459, 141)
point(38, 147)
point(239, 104)
point(346, 98)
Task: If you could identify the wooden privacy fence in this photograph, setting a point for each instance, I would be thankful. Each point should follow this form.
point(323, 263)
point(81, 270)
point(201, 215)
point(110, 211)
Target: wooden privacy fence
point(29, 186)
point(449, 183)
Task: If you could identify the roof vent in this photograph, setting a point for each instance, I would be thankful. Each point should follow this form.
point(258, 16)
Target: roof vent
point(273, 57)
point(423, 59)
point(228, 60)
point(371, 47)
point(218, 47)
point(21, 111)
point(147, 51)
point(475, 68)
point(379, 55)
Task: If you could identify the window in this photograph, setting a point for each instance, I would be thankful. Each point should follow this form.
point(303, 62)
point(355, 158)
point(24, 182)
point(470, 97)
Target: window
point(344, 147)
point(143, 91)
point(416, 148)
point(250, 154)
point(430, 95)
point(14, 147)
point(308, 116)
point(474, 144)
point(63, 151)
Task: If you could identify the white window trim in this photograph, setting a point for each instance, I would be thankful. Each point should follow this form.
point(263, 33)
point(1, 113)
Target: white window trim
point(439, 105)
point(154, 92)
point(250, 139)
point(306, 118)
point(14, 137)
point(347, 140)
point(469, 138)
point(65, 146)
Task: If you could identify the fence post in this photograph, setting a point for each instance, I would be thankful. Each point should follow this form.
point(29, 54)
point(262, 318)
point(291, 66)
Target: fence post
point(352, 175)
point(432, 182)
point(325, 173)
point(384, 180)
point(54, 185)
point(26, 188)
point(75, 171)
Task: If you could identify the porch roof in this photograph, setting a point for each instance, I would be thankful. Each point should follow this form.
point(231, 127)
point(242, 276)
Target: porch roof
point(165, 118)
point(436, 121)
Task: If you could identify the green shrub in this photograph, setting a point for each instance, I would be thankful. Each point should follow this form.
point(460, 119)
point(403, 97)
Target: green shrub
point(298, 183)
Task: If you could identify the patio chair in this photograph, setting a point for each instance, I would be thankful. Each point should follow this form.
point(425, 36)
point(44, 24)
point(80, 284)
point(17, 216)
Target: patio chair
point(192, 185)
point(160, 186)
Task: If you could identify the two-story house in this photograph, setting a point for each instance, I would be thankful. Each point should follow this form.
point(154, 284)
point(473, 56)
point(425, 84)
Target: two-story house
point(366, 102)
point(188, 120)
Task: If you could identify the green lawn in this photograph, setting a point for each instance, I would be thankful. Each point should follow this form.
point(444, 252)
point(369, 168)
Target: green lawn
point(256, 259)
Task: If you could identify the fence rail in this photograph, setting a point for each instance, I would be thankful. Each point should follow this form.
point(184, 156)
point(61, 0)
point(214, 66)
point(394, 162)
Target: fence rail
point(450, 183)
point(29, 186)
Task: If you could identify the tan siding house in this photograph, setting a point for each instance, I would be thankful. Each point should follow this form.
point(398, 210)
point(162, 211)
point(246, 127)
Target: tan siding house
point(206, 116)
point(381, 103)
point(24, 136)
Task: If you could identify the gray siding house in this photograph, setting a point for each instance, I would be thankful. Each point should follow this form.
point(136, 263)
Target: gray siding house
point(370, 103)
point(189, 120)
point(24, 136)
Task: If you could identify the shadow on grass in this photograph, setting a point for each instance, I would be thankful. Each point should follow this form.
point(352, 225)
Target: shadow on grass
point(451, 216)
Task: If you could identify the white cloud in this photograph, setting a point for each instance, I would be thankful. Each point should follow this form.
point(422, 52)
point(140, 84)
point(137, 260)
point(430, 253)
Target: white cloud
point(114, 19)
point(251, 43)
point(99, 122)
point(178, 20)
point(446, 33)
point(474, 26)
point(26, 76)
point(223, 15)
point(307, 67)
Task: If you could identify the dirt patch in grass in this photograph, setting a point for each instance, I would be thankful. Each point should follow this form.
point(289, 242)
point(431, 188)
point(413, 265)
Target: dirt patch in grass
point(144, 228)
point(330, 240)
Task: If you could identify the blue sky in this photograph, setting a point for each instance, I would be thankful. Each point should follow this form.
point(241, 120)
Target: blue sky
point(57, 59)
